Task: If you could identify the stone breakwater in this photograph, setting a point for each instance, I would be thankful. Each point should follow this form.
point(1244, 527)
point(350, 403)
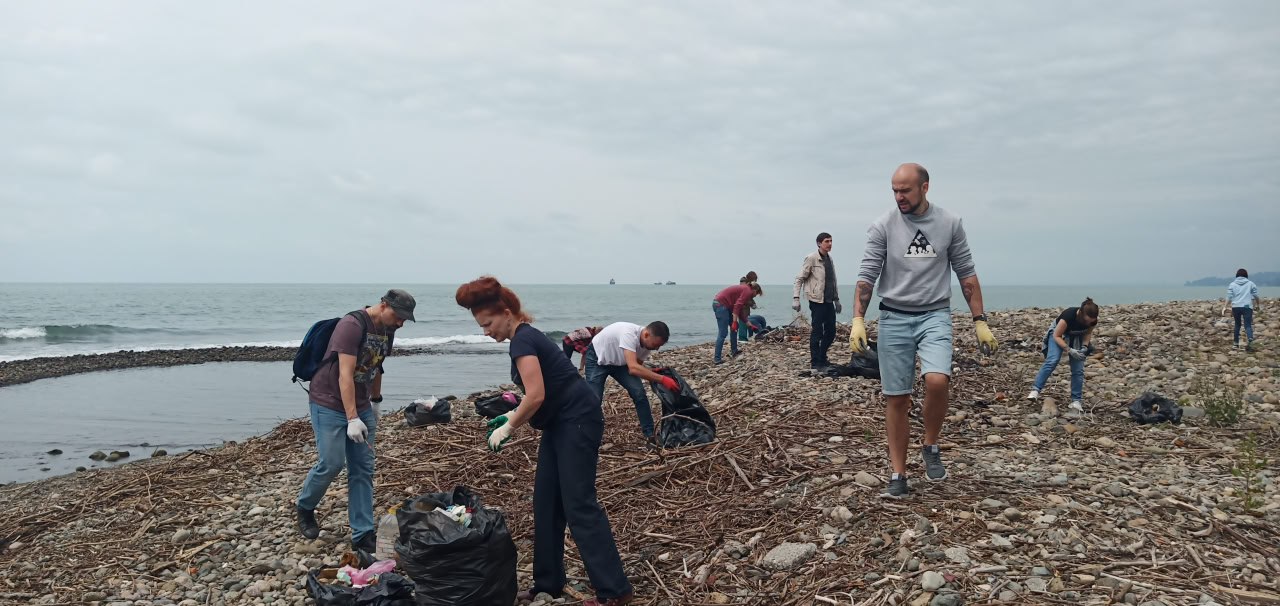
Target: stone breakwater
point(1043, 505)
point(34, 369)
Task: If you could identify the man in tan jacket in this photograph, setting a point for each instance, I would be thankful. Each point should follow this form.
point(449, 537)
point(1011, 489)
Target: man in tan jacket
point(817, 283)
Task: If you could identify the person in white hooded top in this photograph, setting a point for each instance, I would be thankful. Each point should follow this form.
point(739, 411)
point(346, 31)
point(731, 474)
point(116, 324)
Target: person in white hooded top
point(1242, 301)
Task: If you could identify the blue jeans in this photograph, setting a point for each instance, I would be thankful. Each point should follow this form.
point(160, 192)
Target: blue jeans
point(724, 319)
point(335, 452)
point(1052, 355)
point(902, 336)
point(597, 374)
point(1243, 315)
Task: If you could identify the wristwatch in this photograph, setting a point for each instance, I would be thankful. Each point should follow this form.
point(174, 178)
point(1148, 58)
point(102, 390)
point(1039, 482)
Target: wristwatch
point(980, 318)
point(376, 400)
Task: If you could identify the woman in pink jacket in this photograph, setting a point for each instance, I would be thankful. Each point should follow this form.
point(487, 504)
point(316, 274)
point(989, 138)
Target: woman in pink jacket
point(731, 306)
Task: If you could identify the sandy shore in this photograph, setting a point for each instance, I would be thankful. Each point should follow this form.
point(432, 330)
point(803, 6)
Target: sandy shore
point(1042, 505)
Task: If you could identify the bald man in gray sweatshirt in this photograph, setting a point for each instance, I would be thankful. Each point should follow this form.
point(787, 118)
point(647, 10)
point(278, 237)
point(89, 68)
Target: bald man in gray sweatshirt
point(912, 251)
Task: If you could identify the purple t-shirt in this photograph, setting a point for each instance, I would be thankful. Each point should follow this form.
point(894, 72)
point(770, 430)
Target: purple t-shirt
point(369, 356)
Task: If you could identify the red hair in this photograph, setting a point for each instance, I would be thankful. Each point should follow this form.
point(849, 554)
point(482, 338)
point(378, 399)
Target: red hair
point(488, 294)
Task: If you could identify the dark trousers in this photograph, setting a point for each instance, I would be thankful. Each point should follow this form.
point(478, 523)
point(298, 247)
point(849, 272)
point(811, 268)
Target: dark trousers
point(597, 374)
point(823, 333)
point(564, 492)
point(1243, 317)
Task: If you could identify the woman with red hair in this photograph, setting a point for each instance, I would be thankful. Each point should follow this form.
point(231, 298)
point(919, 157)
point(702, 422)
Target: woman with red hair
point(558, 402)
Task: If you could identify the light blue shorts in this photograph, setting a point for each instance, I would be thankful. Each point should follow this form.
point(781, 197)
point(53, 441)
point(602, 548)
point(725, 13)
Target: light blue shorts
point(902, 337)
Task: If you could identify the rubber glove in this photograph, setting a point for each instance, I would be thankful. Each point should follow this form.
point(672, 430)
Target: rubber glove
point(670, 384)
point(752, 327)
point(499, 432)
point(858, 336)
point(838, 308)
point(357, 431)
point(986, 341)
point(734, 326)
point(1076, 354)
point(795, 304)
point(1089, 350)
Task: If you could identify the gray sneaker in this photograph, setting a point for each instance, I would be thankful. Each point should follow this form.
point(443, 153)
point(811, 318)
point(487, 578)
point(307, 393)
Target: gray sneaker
point(897, 487)
point(933, 469)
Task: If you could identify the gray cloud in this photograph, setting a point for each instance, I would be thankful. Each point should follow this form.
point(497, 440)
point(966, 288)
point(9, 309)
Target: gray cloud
point(571, 143)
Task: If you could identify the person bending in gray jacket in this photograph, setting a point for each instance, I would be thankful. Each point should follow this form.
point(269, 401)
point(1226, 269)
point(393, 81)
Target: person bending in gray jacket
point(912, 251)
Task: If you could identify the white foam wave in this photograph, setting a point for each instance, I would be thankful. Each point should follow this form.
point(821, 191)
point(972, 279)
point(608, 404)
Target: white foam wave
point(26, 332)
point(453, 340)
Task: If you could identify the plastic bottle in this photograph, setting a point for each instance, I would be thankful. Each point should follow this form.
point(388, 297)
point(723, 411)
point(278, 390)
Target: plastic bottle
point(388, 533)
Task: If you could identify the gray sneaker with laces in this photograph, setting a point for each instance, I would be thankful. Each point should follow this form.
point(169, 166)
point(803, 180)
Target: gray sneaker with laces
point(896, 488)
point(933, 469)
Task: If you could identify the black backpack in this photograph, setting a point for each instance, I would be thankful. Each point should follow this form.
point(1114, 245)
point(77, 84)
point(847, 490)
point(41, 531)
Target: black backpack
point(311, 354)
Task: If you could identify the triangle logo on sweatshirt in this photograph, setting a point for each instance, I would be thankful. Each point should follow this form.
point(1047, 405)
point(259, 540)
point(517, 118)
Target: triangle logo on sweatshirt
point(920, 248)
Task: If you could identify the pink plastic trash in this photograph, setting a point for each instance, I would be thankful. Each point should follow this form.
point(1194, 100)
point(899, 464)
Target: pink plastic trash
point(360, 578)
point(509, 397)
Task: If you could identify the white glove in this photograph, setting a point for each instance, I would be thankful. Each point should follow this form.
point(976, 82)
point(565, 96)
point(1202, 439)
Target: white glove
point(499, 435)
point(377, 409)
point(356, 430)
point(795, 304)
point(1076, 354)
point(838, 308)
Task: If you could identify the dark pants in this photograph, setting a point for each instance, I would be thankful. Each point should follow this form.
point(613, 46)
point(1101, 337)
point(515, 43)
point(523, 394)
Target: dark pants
point(823, 333)
point(597, 374)
point(1243, 315)
point(564, 492)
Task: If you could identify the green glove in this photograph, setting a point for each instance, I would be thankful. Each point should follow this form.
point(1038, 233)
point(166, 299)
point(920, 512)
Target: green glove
point(499, 432)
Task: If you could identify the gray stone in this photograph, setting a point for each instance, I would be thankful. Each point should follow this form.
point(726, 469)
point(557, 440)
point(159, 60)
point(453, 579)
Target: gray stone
point(1036, 584)
point(865, 479)
point(181, 536)
point(1118, 489)
point(94, 596)
point(1008, 596)
point(991, 504)
point(1192, 412)
point(1041, 571)
point(789, 555)
point(870, 577)
point(932, 581)
point(946, 599)
point(736, 549)
point(959, 555)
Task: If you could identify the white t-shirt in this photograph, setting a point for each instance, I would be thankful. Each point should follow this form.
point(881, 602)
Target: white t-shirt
point(614, 339)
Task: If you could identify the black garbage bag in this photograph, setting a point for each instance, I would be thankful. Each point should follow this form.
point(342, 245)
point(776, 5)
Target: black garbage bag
point(684, 420)
point(495, 406)
point(453, 564)
point(1152, 407)
point(419, 413)
point(865, 364)
point(390, 590)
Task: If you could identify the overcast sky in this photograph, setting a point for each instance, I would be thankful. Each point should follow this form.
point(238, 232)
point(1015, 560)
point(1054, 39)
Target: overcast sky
point(572, 142)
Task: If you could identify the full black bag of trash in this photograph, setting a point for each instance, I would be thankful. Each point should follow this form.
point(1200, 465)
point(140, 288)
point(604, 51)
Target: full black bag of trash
point(684, 420)
point(452, 564)
point(1152, 407)
point(418, 414)
point(390, 590)
point(495, 406)
point(865, 364)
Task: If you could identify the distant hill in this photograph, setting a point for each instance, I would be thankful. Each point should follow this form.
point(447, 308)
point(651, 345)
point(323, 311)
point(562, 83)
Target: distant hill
point(1265, 278)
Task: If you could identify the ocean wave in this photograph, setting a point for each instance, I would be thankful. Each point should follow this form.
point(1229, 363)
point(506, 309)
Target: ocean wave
point(74, 332)
point(452, 340)
point(411, 342)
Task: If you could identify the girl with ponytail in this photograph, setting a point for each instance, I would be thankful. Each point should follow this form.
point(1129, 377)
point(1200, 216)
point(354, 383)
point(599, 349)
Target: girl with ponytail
point(1070, 333)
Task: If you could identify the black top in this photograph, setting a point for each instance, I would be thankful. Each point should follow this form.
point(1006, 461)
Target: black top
point(567, 395)
point(829, 293)
point(1075, 328)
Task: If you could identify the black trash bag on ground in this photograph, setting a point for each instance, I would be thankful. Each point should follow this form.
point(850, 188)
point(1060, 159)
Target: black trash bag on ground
point(684, 420)
point(390, 590)
point(418, 413)
point(453, 564)
point(865, 364)
point(495, 406)
point(1152, 407)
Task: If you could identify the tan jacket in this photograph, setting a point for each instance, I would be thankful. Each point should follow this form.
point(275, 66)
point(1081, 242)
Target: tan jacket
point(813, 279)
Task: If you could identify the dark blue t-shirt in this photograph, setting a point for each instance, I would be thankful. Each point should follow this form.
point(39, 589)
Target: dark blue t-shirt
point(567, 395)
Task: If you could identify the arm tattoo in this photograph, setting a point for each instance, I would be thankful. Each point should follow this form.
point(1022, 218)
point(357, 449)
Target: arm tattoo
point(967, 287)
point(864, 298)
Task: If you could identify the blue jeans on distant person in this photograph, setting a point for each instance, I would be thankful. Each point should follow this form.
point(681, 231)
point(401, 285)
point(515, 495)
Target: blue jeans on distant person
point(1243, 315)
point(724, 319)
point(597, 373)
point(337, 451)
point(1053, 354)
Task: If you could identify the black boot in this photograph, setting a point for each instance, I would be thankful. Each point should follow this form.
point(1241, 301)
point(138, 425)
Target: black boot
point(307, 523)
point(367, 543)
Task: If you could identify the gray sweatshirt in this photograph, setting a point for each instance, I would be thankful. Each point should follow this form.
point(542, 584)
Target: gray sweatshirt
point(912, 256)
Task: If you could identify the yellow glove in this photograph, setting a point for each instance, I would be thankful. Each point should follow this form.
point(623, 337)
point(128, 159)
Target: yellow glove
point(858, 336)
point(986, 341)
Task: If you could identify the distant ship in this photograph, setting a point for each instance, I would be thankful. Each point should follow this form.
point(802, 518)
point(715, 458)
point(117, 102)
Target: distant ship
point(670, 283)
point(611, 282)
